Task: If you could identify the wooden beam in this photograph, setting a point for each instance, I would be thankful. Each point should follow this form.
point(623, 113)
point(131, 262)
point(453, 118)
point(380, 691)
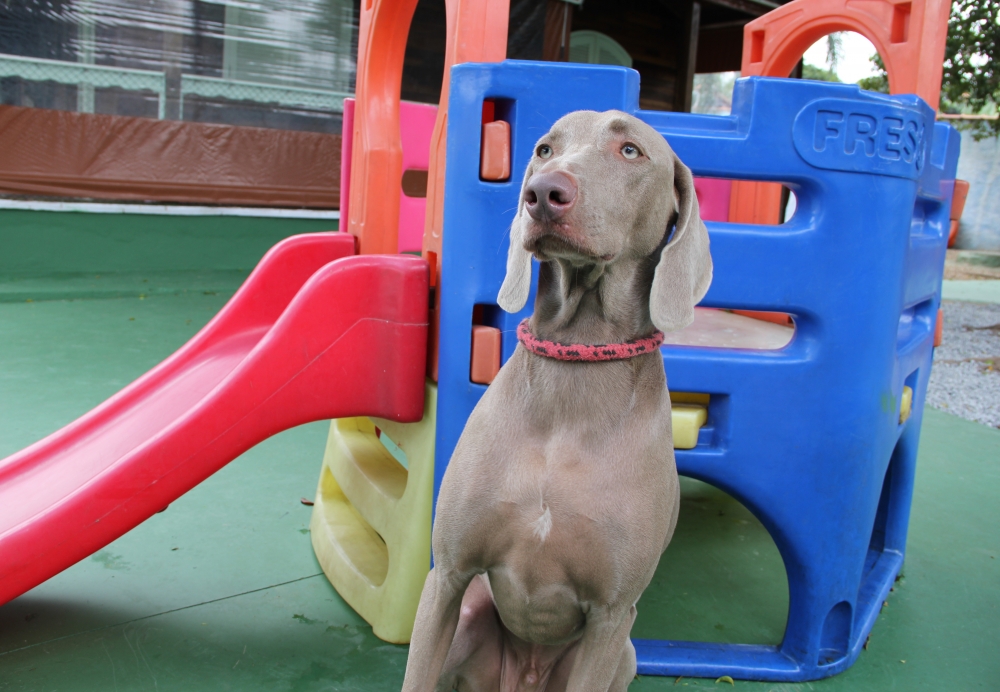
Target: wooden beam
point(751, 7)
point(685, 75)
point(724, 25)
point(558, 26)
point(720, 48)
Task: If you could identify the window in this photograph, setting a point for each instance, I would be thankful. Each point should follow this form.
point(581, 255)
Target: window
point(596, 48)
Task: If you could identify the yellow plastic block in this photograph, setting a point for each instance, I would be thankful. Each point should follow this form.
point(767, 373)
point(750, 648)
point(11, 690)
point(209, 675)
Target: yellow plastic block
point(905, 405)
point(689, 398)
point(371, 524)
point(687, 420)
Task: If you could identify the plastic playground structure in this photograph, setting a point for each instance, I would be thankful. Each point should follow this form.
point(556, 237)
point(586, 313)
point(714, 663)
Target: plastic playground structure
point(814, 427)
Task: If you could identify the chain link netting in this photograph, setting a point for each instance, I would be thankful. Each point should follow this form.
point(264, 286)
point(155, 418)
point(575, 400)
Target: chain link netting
point(257, 62)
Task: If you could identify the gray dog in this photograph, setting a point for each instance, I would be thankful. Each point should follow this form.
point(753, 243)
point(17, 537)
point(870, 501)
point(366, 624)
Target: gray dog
point(562, 492)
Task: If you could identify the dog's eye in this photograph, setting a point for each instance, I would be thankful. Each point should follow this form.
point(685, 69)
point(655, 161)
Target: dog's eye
point(544, 151)
point(630, 151)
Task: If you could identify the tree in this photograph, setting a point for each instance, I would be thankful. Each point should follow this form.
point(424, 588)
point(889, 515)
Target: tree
point(971, 79)
point(819, 74)
point(834, 50)
point(834, 53)
point(880, 80)
point(971, 82)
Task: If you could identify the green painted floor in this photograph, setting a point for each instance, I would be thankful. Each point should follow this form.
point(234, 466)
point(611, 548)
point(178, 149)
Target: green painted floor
point(973, 291)
point(222, 592)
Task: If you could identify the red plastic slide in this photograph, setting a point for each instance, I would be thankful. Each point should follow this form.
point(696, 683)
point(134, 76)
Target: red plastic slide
point(314, 333)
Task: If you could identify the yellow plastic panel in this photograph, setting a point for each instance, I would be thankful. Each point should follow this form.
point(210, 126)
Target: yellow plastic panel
point(687, 420)
point(364, 551)
point(905, 405)
point(371, 524)
point(689, 398)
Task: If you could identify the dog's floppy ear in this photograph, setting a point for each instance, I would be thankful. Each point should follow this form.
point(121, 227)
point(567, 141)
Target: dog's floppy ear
point(517, 283)
point(684, 271)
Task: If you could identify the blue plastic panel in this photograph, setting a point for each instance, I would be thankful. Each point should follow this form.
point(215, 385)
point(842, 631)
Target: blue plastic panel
point(802, 436)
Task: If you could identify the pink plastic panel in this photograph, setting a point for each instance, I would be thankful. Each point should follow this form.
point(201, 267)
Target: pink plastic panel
point(346, 147)
point(416, 125)
point(713, 198)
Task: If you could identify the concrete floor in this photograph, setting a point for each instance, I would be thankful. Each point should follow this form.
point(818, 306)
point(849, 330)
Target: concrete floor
point(222, 592)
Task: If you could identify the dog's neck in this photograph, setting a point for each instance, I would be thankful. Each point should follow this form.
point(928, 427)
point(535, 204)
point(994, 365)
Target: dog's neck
point(604, 303)
point(593, 303)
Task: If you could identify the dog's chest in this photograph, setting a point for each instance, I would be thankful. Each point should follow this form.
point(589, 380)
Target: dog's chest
point(573, 501)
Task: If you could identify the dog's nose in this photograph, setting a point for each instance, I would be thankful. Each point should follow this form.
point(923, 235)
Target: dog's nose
point(548, 196)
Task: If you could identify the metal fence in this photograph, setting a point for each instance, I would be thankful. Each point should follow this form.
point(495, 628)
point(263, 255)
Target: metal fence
point(85, 76)
point(88, 77)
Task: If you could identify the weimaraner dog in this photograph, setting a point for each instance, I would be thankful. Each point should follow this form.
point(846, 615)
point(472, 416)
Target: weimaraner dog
point(562, 492)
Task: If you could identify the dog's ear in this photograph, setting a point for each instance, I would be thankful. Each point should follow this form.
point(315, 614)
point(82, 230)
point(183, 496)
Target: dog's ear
point(684, 271)
point(517, 283)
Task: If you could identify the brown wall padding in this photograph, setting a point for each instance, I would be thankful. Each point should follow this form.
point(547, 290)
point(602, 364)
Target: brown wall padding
point(65, 154)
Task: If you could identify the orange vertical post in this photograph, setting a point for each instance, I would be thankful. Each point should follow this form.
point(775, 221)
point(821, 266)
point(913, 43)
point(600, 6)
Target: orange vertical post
point(477, 32)
point(377, 159)
point(910, 36)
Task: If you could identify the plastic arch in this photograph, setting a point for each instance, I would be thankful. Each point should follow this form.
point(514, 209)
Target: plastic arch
point(477, 32)
point(910, 36)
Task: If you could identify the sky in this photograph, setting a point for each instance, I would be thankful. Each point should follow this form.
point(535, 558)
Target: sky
point(853, 64)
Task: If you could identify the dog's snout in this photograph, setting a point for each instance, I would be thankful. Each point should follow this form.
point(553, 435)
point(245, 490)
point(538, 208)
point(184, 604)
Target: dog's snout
point(548, 196)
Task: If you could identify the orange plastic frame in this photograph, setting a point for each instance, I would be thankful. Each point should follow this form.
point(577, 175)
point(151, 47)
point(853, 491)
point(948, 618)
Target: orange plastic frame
point(910, 36)
point(477, 32)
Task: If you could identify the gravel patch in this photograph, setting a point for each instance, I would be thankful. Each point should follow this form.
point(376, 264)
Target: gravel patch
point(965, 379)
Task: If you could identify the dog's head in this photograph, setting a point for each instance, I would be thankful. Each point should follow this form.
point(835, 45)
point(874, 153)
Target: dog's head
point(603, 188)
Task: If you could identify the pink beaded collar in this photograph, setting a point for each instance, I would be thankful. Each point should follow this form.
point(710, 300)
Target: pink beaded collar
point(587, 352)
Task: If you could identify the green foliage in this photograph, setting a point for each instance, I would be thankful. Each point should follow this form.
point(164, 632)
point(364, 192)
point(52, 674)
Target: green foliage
point(713, 93)
point(818, 73)
point(971, 81)
point(879, 81)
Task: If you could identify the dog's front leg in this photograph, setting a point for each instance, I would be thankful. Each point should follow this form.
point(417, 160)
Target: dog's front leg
point(605, 659)
point(437, 618)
